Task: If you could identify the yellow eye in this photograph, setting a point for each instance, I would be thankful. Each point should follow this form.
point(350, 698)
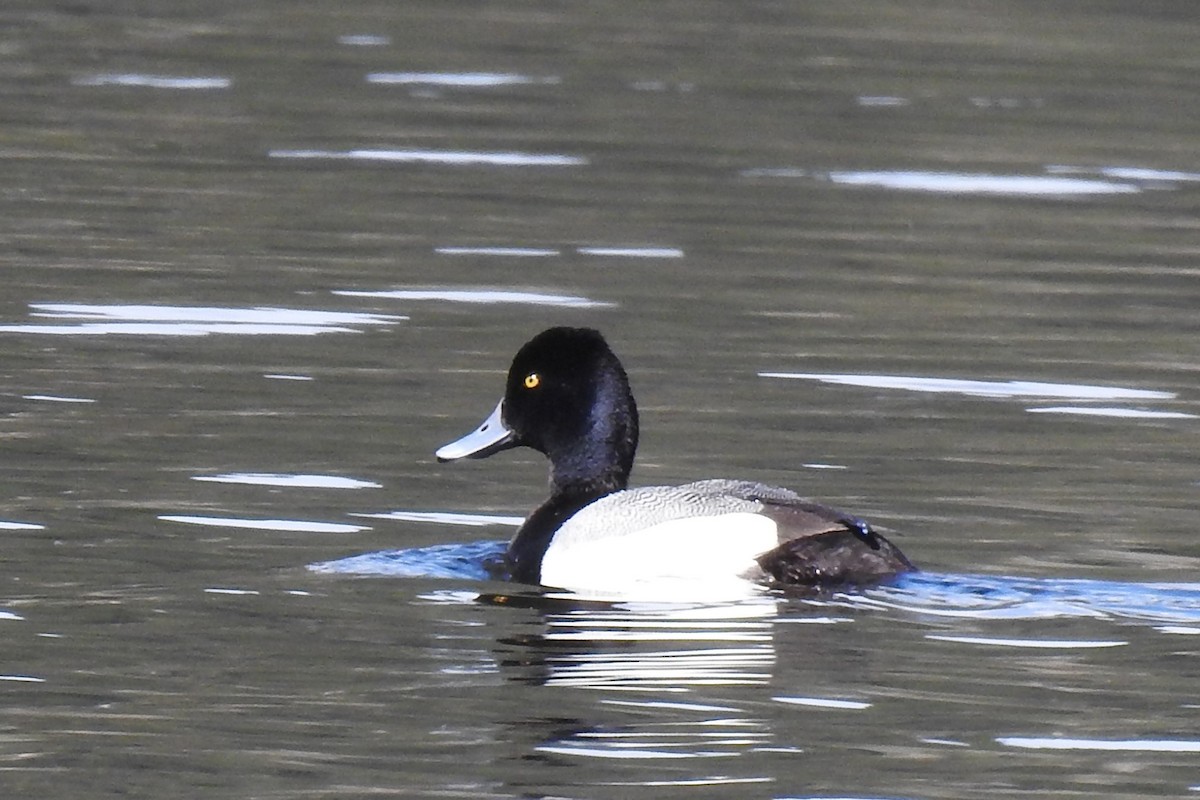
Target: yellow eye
point(532, 380)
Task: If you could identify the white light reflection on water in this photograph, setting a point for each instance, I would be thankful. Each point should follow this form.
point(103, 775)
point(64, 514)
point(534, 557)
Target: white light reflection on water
point(447, 518)
point(1127, 413)
point(712, 780)
point(364, 40)
point(1102, 745)
point(982, 184)
point(6, 525)
point(50, 398)
point(881, 101)
point(1181, 630)
point(167, 320)
point(518, 252)
point(1006, 103)
point(1028, 390)
point(142, 80)
point(974, 388)
point(1036, 644)
point(1130, 173)
point(703, 736)
point(1142, 174)
point(681, 87)
point(289, 480)
point(446, 157)
point(481, 296)
point(171, 329)
point(822, 702)
point(665, 704)
point(538, 252)
point(290, 525)
point(649, 658)
point(1058, 182)
point(632, 252)
point(636, 749)
point(468, 80)
point(715, 645)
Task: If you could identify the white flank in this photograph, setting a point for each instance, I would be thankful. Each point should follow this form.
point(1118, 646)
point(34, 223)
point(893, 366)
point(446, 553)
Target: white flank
point(695, 559)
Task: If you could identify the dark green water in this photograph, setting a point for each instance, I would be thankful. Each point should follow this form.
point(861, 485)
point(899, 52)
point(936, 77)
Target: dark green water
point(970, 192)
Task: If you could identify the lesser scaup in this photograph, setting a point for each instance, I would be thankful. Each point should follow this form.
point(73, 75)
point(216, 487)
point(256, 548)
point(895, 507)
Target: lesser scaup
point(567, 396)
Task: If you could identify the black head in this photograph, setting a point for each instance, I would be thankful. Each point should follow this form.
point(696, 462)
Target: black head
point(566, 396)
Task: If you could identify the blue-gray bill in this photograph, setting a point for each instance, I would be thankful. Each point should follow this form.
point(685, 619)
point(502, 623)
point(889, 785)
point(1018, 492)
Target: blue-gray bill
point(490, 437)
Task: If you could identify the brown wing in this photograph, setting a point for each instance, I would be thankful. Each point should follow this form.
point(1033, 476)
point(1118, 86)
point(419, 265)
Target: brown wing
point(822, 547)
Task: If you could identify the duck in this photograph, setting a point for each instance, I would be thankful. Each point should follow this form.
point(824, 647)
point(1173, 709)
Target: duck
point(568, 397)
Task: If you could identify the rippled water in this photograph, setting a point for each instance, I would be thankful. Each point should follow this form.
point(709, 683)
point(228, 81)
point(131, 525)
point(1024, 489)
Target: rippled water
point(935, 264)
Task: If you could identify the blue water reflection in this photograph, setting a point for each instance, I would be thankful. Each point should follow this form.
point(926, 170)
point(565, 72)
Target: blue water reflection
point(923, 593)
point(1007, 597)
point(452, 561)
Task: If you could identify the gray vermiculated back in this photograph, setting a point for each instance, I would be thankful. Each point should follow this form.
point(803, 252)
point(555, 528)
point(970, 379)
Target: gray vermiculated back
point(624, 513)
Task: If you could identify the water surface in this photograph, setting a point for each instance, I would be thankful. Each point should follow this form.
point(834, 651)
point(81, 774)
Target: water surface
point(935, 264)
